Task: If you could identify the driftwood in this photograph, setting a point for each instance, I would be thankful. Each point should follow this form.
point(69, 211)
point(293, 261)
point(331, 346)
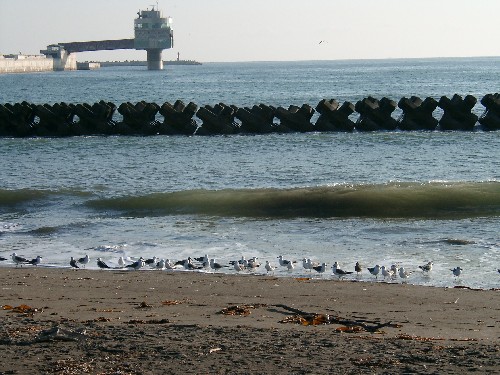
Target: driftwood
point(307, 318)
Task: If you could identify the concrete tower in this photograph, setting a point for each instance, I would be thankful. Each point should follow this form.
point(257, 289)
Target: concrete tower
point(153, 33)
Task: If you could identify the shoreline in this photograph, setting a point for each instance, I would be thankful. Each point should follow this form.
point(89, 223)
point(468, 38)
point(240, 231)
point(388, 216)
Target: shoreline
point(128, 315)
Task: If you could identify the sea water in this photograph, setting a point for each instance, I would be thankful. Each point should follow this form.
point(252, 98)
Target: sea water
point(385, 198)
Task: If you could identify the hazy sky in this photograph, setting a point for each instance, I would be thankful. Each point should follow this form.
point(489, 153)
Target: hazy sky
point(264, 30)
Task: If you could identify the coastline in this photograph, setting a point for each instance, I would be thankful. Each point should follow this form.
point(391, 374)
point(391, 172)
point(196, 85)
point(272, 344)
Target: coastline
point(170, 322)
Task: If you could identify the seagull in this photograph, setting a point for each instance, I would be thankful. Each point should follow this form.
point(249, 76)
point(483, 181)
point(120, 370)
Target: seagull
point(457, 271)
point(290, 266)
point(394, 270)
point(84, 261)
point(101, 264)
point(19, 260)
point(374, 270)
point(160, 265)
point(152, 261)
point(358, 268)
point(252, 263)
point(72, 263)
point(283, 262)
point(203, 259)
point(320, 269)
point(188, 265)
point(311, 264)
point(337, 271)
point(305, 264)
point(137, 265)
point(121, 262)
point(386, 273)
point(238, 267)
point(426, 267)
point(168, 264)
point(2, 258)
point(182, 262)
point(403, 273)
point(35, 262)
point(216, 266)
point(269, 267)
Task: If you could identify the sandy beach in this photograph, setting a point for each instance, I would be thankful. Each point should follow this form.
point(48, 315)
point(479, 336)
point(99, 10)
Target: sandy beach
point(158, 322)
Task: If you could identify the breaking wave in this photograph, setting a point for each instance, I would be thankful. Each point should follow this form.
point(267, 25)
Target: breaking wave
point(435, 200)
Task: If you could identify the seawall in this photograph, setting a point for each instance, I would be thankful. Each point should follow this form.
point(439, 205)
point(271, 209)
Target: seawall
point(25, 64)
point(35, 63)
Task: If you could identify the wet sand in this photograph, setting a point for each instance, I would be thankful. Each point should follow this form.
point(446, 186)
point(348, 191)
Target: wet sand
point(158, 322)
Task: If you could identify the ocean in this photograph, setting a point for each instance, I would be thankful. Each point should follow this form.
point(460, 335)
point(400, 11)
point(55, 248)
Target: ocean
point(385, 198)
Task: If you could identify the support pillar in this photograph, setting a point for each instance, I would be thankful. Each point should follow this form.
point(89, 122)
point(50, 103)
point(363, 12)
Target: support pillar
point(154, 59)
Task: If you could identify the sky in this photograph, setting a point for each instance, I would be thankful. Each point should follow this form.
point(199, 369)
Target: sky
point(263, 30)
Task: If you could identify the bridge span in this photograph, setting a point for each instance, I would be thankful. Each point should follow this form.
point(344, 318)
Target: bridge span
point(98, 45)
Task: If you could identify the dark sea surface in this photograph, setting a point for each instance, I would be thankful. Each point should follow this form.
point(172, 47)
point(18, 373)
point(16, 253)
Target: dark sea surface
point(385, 198)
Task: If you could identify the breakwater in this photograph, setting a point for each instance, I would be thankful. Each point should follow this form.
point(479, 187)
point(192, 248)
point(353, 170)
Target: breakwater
point(146, 118)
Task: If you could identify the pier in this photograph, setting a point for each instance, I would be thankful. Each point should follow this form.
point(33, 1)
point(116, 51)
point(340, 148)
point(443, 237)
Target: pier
point(153, 33)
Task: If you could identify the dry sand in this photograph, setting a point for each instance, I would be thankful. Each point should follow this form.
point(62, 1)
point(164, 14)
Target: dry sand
point(158, 322)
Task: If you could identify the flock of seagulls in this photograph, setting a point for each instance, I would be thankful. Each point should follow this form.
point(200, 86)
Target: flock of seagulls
point(241, 265)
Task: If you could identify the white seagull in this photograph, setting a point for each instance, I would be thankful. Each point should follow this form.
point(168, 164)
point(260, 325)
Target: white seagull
point(160, 265)
point(84, 261)
point(339, 272)
point(386, 273)
point(320, 269)
point(426, 267)
point(253, 263)
point(19, 260)
point(269, 267)
point(283, 262)
point(375, 270)
point(239, 266)
point(137, 265)
point(305, 264)
point(216, 266)
point(121, 262)
point(404, 274)
point(35, 262)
